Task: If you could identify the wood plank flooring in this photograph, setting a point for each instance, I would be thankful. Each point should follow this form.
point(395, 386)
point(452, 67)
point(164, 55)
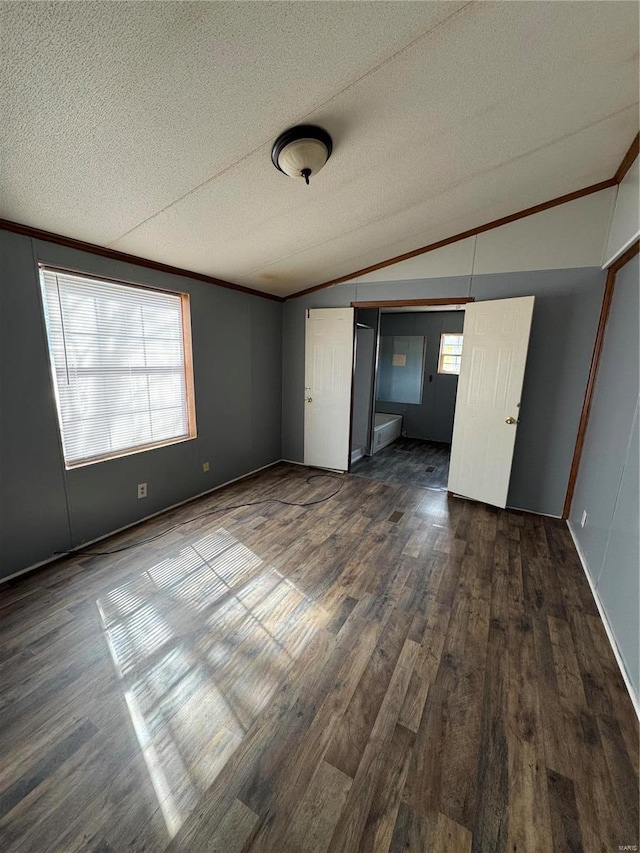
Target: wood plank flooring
point(391, 670)
point(409, 461)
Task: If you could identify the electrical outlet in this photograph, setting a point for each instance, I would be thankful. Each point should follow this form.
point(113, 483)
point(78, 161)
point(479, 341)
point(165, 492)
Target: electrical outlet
point(205, 467)
point(142, 490)
point(583, 520)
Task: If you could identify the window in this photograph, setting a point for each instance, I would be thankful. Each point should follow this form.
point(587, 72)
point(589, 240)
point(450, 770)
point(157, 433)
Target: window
point(121, 363)
point(450, 353)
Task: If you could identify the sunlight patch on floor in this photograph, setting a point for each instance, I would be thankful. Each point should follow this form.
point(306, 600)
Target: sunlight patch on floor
point(201, 641)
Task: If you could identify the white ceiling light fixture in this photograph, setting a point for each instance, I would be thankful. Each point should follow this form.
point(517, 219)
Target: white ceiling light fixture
point(301, 151)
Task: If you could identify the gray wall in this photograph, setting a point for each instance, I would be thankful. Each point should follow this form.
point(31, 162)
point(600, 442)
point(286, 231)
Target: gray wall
point(564, 323)
point(432, 419)
point(607, 485)
point(238, 368)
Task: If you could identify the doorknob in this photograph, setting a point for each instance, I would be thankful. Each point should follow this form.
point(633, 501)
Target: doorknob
point(308, 399)
point(511, 421)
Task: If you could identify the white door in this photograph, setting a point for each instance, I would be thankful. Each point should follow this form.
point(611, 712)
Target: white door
point(494, 353)
point(327, 378)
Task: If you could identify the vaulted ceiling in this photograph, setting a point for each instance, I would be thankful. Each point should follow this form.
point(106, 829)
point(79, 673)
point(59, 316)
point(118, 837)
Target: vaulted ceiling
point(147, 127)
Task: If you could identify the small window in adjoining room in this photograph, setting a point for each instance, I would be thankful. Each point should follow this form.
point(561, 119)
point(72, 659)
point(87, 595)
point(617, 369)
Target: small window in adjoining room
point(121, 363)
point(450, 353)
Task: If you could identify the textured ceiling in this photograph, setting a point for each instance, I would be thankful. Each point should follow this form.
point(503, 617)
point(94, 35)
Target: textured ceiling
point(147, 127)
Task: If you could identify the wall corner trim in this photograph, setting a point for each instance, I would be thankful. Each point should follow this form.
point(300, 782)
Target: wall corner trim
point(635, 700)
point(583, 423)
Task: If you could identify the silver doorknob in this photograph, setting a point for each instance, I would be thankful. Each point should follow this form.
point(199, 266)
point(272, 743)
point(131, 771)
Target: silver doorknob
point(511, 421)
point(308, 399)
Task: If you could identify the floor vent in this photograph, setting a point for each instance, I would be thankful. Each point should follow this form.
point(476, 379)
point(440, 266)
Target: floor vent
point(395, 516)
point(429, 469)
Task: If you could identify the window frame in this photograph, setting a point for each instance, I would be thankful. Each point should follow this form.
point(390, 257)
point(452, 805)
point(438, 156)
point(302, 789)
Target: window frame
point(442, 355)
point(187, 358)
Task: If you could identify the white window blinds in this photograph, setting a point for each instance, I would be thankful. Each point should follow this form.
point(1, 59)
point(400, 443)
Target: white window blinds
point(118, 361)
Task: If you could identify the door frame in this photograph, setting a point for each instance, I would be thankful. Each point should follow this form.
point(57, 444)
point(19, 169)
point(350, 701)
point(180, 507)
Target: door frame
point(413, 303)
point(388, 303)
point(372, 388)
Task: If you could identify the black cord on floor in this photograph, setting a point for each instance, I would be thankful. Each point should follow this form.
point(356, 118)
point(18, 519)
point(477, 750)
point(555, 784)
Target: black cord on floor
point(79, 552)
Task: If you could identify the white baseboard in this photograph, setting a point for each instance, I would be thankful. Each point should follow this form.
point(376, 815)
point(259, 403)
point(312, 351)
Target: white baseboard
point(62, 556)
point(356, 454)
point(607, 626)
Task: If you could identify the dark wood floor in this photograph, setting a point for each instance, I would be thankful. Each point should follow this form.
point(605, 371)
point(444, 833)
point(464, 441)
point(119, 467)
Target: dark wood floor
point(409, 461)
point(391, 670)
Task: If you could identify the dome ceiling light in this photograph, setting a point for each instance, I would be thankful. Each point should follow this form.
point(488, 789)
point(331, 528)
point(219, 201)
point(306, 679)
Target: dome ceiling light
point(301, 151)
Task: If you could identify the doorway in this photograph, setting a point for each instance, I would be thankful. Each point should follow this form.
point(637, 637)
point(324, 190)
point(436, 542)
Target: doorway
point(487, 402)
point(407, 361)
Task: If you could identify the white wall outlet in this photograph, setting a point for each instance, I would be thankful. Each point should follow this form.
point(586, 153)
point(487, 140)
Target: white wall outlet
point(142, 490)
point(583, 520)
point(205, 467)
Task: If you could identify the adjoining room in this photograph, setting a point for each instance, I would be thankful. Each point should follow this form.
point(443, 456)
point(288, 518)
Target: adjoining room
point(416, 362)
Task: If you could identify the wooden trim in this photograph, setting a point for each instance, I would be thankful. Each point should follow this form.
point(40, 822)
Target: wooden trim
point(187, 350)
point(626, 256)
point(128, 282)
point(128, 451)
point(628, 159)
point(588, 395)
point(488, 226)
point(80, 245)
point(413, 303)
point(593, 374)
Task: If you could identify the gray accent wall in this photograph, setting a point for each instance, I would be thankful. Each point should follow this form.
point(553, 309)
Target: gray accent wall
point(565, 320)
point(238, 375)
point(607, 486)
point(432, 419)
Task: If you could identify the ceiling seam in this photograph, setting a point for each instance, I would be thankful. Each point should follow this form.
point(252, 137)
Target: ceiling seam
point(317, 107)
point(443, 192)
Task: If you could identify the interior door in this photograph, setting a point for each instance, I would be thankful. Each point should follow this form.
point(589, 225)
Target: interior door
point(494, 353)
point(329, 336)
